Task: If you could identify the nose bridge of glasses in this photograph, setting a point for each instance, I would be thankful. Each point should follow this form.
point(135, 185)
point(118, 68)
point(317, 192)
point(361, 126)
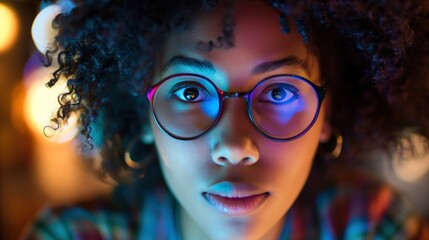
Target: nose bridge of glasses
point(231, 103)
point(237, 95)
point(234, 118)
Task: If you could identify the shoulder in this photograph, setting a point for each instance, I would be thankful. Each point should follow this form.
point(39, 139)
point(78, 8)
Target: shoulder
point(117, 216)
point(360, 207)
point(74, 222)
point(352, 205)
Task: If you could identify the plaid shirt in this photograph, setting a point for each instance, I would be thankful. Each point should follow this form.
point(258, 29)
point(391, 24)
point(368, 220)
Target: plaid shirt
point(348, 209)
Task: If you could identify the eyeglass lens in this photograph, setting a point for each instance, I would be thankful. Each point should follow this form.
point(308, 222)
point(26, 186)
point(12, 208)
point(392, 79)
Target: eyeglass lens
point(281, 107)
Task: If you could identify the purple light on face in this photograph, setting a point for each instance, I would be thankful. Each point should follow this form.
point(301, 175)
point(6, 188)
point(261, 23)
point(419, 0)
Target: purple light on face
point(285, 117)
point(283, 122)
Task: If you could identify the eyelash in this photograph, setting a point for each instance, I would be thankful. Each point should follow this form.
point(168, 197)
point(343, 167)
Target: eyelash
point(291, 90)
point(186, 85)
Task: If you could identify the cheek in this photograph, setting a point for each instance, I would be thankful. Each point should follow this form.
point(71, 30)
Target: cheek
point(179, 158)
point(290, 162)
point(288, 165)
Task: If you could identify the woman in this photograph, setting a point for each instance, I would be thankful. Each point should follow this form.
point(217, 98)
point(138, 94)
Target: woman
point(241, 100)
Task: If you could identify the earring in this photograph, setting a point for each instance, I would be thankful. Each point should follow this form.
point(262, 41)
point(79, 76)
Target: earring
point(338, 144)
point(145, 154)
point(334, 146)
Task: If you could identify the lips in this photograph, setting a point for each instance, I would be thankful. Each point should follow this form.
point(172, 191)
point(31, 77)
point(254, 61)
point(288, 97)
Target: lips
point(235, 198)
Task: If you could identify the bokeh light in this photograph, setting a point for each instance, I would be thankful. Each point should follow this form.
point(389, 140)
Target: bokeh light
point(41, 102)
point(413, 162)
point(41, 31)
point(58, 169)
point(9, 27)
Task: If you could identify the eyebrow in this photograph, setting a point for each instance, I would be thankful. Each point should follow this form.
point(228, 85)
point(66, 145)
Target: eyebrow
point(190, 62)
point(290, 61)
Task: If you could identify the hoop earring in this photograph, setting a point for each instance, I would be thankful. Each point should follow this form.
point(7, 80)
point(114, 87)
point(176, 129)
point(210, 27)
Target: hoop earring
point(338, 144)
point(131, 151)
point(334, 146)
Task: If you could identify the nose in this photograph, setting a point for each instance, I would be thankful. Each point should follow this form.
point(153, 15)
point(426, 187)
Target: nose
point(233, 137)
point(235, 152)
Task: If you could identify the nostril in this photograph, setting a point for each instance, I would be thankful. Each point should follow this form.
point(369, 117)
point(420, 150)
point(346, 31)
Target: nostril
point(249, 160)
point(235, 152)
point(222, 160)
point(246, 161)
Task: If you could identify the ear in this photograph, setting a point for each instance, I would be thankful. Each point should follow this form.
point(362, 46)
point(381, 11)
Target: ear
point(42, 31)
point(326, 133)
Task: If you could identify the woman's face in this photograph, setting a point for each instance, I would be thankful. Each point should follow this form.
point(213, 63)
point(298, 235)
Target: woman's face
point(233, 182)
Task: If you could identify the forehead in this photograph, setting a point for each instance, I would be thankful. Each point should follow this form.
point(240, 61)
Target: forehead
point(258, 38)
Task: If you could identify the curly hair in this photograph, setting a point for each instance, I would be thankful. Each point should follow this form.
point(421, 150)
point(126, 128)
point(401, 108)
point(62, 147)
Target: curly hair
point(379, 88)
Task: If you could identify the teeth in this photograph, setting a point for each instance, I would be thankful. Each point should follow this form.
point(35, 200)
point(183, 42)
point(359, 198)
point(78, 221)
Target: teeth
point(233, 196)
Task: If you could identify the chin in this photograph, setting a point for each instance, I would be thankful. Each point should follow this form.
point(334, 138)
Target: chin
point(247, 227)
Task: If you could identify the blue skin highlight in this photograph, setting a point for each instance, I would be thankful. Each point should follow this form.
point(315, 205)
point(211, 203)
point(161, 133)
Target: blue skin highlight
point(211, 108)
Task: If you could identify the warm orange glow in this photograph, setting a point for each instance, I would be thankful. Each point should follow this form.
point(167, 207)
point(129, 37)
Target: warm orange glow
point(8, 27)
point(59, 170)
point(41, 104)
point(61, 173)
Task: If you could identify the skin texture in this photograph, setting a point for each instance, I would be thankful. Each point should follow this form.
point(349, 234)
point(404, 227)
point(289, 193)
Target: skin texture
point(233, 150)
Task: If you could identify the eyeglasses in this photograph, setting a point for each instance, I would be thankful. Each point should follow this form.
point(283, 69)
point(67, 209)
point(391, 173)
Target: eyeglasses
point(281, 107)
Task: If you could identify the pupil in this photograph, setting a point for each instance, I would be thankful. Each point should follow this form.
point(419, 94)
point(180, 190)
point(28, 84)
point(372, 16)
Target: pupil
point(191, 93)
point(278, 94)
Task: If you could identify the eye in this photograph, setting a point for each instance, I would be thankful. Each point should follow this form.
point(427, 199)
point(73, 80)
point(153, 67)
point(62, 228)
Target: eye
point(189, 92)
point(279, 94)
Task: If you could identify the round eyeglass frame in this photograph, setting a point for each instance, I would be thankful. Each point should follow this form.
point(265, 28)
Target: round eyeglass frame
point(222, 95)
